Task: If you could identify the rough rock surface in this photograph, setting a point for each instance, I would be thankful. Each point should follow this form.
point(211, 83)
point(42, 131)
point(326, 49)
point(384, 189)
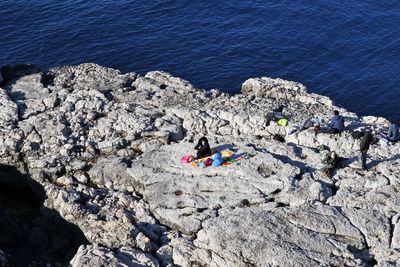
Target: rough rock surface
point(106, 147)
point(101, 256)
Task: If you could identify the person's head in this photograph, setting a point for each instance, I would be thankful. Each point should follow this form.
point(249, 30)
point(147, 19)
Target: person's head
point(278, 109)
point(203, 141)
point(336, 112)
point(333, 154)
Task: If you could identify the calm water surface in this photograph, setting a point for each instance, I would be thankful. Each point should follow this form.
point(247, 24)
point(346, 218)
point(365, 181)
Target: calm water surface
point(347, 50)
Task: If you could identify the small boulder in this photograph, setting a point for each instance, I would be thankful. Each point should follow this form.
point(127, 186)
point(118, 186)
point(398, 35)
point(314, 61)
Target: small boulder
point(81, 177)
point(171, 124)
point(65, 180)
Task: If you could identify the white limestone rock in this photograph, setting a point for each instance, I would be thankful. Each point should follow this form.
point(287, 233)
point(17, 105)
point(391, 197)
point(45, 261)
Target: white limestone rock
point(267, 86)
point(28, 92)
point(307, 236)
point(109, 172)
point(172, 125)
point(105, 137)
point(182, 196)
point(101, 256)
point(65, 180)
point(9, 110)
point(81, 177)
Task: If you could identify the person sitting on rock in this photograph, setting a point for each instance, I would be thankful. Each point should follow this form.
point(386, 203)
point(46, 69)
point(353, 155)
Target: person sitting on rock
point(314, 122)
point(337, 123)
point(275, 115)
point(393, 133)
point(365, 143)
point(202, 149)
point(331, 161)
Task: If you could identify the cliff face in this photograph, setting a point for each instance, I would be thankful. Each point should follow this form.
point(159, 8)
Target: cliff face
point(106, 147)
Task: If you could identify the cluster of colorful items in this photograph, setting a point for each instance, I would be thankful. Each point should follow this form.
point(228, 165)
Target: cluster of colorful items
point(223, 158)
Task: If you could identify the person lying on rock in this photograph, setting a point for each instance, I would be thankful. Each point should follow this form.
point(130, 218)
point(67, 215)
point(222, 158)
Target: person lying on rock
point(337, 123)
point(275, 115)
point(393, 133)
point(331, 161)
point(202, 149)
point(365, 143)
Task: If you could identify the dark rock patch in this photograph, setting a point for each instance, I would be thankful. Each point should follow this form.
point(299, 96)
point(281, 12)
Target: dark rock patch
point(31, 234)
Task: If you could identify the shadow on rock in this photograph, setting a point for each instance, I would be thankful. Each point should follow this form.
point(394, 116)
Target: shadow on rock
point(377, 162)
point(11, 73)
point(31, 234)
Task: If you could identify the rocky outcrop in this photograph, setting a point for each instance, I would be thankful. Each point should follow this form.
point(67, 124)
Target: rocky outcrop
point(309, 235)
point(281, 89)
point(105, 146)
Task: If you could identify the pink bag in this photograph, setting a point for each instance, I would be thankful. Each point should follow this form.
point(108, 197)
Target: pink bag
point(186, 159)
point(208, 162)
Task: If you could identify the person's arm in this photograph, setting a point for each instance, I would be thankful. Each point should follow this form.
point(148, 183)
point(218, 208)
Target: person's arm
point(325, 160)
point(202, 151)
point(334, 162)
point(205, 150)
point(330, 124)
point(342, 123)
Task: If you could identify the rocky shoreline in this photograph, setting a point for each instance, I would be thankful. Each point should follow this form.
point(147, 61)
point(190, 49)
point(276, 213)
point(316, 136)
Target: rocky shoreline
point(105, 147)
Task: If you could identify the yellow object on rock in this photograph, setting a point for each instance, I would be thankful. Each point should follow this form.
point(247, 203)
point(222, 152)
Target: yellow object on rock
point(226, 154)
point(283, 122)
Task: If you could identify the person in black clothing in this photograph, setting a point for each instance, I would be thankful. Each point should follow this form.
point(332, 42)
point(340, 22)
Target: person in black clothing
point(365, 143)
point(331, 161)
point(202, 149)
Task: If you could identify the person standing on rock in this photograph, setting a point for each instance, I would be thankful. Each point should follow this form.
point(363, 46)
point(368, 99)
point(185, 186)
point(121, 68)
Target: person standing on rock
point(337, 123)
point(393, 133)
point(365, 143)
point(202, 149)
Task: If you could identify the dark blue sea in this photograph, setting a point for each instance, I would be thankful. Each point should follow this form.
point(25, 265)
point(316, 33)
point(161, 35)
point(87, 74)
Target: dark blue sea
point(347, 50)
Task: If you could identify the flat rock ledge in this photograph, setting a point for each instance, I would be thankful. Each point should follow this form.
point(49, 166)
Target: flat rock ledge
point(106, 147)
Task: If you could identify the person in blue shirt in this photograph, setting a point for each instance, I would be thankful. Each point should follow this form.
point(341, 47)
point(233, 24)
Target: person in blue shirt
point(393, 133)
point(337, 123)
